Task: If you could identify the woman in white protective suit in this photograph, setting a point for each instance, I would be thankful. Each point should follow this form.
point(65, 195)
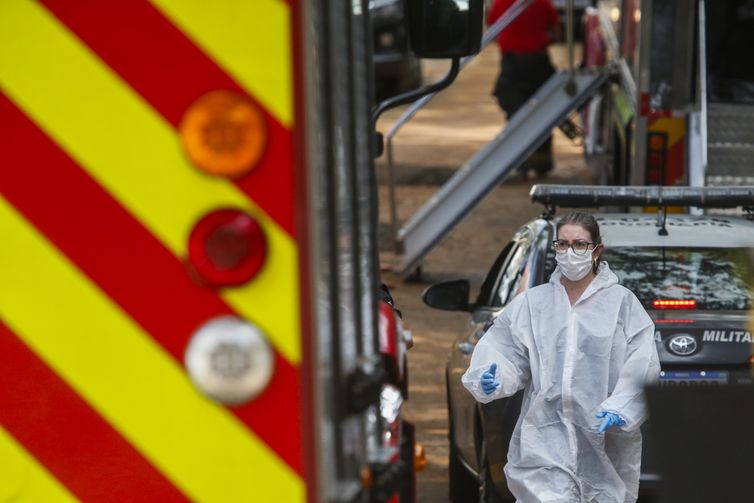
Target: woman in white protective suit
point(582, 347)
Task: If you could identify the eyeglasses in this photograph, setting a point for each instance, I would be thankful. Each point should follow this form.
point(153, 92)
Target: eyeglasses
point(579, 247)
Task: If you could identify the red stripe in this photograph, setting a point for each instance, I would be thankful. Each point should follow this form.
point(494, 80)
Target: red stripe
point(170, 72)
point(675, 162)
point(69, 438)
point(129, 264)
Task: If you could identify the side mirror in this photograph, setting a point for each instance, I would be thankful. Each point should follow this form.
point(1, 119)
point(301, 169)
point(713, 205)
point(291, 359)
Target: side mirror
point(445, 28)
point(448, 295)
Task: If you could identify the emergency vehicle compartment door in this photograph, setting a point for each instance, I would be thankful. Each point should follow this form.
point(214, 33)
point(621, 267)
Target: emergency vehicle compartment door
point(525, 132)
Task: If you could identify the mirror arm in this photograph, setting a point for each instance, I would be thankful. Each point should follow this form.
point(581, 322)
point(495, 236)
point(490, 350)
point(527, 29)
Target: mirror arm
point(411, 96)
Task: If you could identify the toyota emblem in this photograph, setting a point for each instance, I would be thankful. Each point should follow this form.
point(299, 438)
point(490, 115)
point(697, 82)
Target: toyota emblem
point(682, 345)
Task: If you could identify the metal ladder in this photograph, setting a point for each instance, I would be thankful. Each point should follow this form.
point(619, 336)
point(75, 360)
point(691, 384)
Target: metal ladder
point(525, 132)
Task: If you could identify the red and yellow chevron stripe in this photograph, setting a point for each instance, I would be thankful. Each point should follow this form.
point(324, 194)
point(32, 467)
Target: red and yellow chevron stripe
point(97, 200)
point(675, 129)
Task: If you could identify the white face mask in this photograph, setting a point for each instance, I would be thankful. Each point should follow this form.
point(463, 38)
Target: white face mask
point(574, 267)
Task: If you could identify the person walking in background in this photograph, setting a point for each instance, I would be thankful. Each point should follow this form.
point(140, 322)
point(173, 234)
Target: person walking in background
point(525, 65)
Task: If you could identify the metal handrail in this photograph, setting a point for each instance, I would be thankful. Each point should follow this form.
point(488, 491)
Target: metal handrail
point(703, 81)
point(490, 35)
point(571, 86)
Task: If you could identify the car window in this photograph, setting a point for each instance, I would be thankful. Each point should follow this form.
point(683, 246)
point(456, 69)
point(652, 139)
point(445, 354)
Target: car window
point(487, 288)
point(511, 277)
point(716, 278)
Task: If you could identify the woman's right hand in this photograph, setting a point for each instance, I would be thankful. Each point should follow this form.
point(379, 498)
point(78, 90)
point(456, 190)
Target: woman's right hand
point(488, 382)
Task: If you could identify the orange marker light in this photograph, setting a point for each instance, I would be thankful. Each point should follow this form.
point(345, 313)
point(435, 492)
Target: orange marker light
point(674, 304)
point(224, 134)
point(366, 477)
point(420, 457)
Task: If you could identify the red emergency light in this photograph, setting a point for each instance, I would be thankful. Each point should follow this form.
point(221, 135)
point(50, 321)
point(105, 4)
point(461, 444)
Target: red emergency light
point(674, 304)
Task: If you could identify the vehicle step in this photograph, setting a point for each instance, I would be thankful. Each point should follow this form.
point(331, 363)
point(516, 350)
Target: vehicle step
point(730, 124)
point(730, 159)
point(724, 181)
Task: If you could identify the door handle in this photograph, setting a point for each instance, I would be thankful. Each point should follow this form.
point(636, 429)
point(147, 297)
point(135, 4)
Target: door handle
point(465, 347)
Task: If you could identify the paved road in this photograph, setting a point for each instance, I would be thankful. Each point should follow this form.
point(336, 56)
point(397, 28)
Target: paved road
point(456, 124)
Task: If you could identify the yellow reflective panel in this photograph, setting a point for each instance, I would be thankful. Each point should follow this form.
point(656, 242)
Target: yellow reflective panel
point(128, 378)
point(23, 478)
point(250, 40)
point(115, 135)
point(674, 127)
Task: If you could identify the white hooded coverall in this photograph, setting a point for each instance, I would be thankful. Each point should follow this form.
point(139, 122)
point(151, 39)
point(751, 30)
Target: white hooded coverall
point(572, 362)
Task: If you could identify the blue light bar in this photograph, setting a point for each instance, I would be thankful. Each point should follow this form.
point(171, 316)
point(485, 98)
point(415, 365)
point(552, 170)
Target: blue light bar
point(592, 196)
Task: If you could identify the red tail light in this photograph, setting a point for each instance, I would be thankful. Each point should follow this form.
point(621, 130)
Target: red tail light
point(227, 247)
point(674, 304)
point(387, 332)
point(393, 345)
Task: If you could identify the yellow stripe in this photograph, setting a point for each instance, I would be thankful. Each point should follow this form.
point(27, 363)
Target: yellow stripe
point(251, 40)
point(132, 382)
point(674, 127)
point(136, 155)
point(23, 479)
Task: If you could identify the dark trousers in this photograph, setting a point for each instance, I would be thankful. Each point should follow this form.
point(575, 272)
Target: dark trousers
point(521, 75)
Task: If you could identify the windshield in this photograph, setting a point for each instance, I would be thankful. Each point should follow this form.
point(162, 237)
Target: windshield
point(717, 278)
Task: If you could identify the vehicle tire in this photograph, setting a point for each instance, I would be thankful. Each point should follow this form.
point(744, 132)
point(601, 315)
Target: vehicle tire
point(487, 491)
point(462, 485)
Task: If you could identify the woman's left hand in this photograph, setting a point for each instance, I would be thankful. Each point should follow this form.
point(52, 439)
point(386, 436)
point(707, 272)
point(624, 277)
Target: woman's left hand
point(609, 421)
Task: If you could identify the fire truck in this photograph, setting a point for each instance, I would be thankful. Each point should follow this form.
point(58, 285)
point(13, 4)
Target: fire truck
point(679, 109)
point(190, 305)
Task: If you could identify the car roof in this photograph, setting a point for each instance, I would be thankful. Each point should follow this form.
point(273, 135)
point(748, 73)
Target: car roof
point(713, 231)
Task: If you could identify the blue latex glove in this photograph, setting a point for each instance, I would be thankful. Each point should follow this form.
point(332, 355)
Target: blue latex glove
point(609, 420)
point(487, 381)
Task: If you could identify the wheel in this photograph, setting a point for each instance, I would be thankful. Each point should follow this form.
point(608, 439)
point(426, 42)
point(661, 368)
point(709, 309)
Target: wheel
point(487, 491)
point(462, 485)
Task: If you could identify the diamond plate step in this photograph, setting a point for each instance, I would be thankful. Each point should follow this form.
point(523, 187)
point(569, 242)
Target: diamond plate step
point(730, 141)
